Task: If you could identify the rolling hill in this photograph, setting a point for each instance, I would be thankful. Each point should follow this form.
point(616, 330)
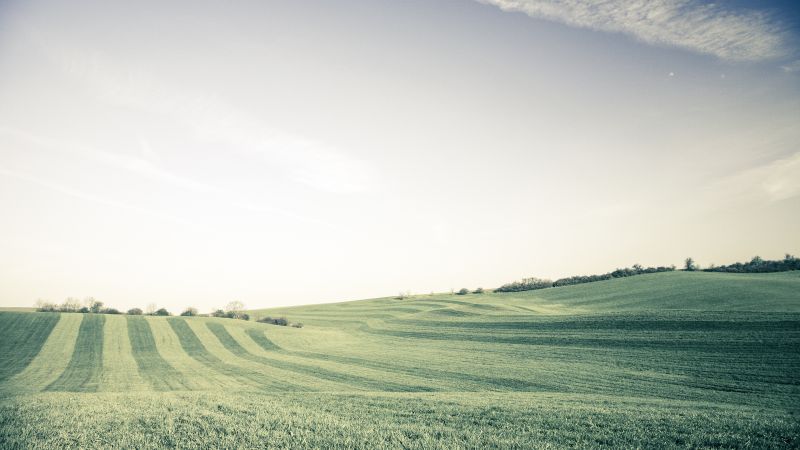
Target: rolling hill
point(669, 359)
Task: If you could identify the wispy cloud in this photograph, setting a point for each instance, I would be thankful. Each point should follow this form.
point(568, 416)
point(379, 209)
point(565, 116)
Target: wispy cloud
point(139, 166)
point(304, 160)
point(793, 66)
point(145, 167)
point(708, 28)
point(775, 181)
point(89, 197)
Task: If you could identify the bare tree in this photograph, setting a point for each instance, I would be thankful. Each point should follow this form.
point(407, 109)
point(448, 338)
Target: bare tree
point(235, 310)
point(71, 305)
point(151, 308)
point(235, 306)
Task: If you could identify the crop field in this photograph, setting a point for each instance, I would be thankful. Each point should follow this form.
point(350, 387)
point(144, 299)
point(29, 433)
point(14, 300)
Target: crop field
point(677, 359)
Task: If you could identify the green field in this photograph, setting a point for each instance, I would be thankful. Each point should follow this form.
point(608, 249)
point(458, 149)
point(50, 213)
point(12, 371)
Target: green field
point(676, 359)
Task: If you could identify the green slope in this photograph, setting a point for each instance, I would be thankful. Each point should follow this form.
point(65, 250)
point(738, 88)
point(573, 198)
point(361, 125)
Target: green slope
point(21, 338)
point(160, 375)
point(699, 291)
point(687, 359)
point(84, 369)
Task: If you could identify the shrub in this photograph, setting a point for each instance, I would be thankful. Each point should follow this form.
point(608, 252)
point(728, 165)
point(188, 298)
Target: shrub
point(190, 312)
point(463, 291)
point(218, 313)
point(73, 305)
point(298, 325)
point(760, 265)
point(527, 284)
point(43, 306)
point(94, 305)
point(274, 321)
point(135, 312)
point(478, 291)
point(161, 312)
point(637, 269)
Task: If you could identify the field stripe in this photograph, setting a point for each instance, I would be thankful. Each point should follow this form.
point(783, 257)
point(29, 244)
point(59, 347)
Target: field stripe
point(201, 345)
point(413, 378)
point(54, 356)
point(259, 337)
point(151, 366)
point(24, 334)
point(120, 370)
point(227, 345)
point(239, 342)
point(196, 375)
point(83, 371)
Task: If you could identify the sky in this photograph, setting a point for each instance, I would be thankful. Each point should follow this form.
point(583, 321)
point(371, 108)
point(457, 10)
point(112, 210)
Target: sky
point(292, 152)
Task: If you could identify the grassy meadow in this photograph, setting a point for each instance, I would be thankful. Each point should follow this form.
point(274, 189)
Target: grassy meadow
point(677, 359)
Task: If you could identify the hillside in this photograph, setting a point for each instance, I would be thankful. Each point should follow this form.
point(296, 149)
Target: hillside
point(427, 371)
point(699, 291)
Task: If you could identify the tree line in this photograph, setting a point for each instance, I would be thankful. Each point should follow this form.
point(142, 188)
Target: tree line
point(533, 283)
point(758, 265)
point(234, 310)
point(755, 265)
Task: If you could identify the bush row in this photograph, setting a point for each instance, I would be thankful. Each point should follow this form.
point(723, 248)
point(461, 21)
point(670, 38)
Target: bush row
point(234, 310)
point(90, 305)
point(282, 321)
point(759, 265)
point(530, 284)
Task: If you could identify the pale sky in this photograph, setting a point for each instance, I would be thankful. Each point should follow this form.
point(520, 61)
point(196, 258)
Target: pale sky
point(290, 152)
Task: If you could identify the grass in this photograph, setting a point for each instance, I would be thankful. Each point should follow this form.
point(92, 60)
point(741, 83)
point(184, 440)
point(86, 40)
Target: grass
point(23, 335)
point(82, 374)
point(664, 360)
point(119, 364)
point(153, 368)
point(377, 420)
point(52, 359)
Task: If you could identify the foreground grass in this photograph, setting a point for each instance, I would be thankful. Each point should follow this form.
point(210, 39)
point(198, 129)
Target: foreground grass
point(663, 360)
point(442, 420)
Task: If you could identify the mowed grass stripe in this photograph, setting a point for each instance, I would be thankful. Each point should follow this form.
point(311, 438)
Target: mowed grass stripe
point(259, 337)
point(422, 373)
point(295, 370)
point(153, 368)
point(196, 375)
point(239, 341)
point(195, 348)
point(83, 371)
point(120, 370)
point(24, 334)
point(53, 358)
point(299, 381)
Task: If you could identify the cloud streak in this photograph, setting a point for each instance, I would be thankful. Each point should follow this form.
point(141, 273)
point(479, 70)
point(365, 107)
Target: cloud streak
point(702, 28)
point(772, 182)
point(138, 166)
point(85, 196)
point(304, 160)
